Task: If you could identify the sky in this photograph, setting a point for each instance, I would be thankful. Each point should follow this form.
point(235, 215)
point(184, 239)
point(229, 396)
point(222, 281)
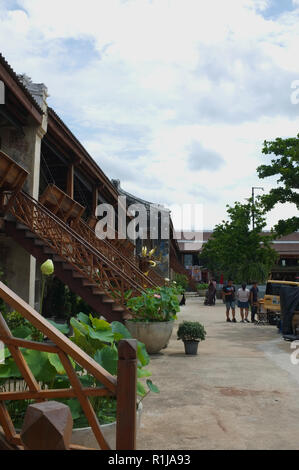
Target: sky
point(172, 97)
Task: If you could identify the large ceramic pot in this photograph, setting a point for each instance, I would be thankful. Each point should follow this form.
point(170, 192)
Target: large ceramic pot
point(85, 437)
point(202, 292)
point(155, 335)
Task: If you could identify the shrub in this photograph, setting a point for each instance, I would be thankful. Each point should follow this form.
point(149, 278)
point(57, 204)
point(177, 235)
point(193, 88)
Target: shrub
point(191, 331)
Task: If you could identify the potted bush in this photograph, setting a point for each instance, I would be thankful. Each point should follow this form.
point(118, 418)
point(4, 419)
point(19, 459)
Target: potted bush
point(201, 289)
point(98, 339)
point(153, 315)
point(191, 333)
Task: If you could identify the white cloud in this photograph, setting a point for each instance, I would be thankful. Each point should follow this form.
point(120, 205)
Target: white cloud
point(140, 81)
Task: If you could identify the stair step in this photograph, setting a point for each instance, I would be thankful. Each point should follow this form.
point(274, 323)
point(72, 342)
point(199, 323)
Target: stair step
point(107, 300)
point(88, 283)
point(78, 275)
point(97, 291)
point(118, 308)
point(29, 234)
point(58, 259)
point(67, 266)
point(48, 250)
point(21, 226)
point(39, 242)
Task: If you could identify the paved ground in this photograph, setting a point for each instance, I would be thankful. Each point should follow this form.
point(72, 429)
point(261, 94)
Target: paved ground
point(240, 392)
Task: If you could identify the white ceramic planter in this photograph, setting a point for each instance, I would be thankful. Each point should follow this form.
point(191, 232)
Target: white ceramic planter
point(85, 437)
point(155, 335)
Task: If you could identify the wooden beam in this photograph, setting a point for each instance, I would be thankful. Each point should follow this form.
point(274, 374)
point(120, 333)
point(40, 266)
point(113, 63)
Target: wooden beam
point(70, 181)
point(53, 393)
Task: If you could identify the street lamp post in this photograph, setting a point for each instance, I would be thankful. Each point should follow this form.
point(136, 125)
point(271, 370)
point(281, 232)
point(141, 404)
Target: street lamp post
point(253, 188)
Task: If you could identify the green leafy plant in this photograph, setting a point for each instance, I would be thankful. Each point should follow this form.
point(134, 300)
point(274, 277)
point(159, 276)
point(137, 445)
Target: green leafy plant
point(202, 286)
point(97, 338)
point(155, 305)
point(191, 331)
point(21, 328)
point(181, 280)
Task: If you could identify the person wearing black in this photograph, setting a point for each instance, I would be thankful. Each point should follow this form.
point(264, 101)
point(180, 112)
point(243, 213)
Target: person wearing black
point(254, 300)
point(229, 296)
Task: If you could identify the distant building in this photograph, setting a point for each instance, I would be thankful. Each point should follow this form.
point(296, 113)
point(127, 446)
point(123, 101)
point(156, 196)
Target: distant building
point(287, 266)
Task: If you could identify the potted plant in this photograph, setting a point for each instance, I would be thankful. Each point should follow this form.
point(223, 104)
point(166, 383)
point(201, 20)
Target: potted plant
point(153, 315)
point(201, 289)
point(191, 333)
point(97, 338)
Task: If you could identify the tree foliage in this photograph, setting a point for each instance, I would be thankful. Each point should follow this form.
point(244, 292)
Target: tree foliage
point(285, 164)
point(238, 252)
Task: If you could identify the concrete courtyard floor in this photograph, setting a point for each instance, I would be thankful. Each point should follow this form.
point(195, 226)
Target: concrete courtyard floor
point(240, 392)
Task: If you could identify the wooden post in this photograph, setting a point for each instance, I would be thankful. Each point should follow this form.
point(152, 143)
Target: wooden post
point(95, 198)
point(70, 181)
point(47, 426)
point(126, 395)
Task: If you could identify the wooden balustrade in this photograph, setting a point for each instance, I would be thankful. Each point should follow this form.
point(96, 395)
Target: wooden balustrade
point(126, 264)
point(96, 266)
point(124, 387)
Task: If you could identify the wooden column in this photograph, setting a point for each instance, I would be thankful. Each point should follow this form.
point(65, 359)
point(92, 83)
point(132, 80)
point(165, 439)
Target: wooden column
point(70, 181)
point(126, 395)
point(95, 198)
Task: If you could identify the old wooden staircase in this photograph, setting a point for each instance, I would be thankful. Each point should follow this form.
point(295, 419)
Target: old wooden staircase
point(97, 270)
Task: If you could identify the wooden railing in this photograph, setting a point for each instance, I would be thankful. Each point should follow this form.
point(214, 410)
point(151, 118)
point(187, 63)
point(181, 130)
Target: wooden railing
point(74, 249)
point(124, 387)
point(126, 264)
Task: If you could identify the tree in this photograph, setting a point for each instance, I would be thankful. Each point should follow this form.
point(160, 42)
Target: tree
point(285, 164)
point(238, 252)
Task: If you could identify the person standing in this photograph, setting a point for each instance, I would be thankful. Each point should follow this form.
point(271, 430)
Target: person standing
point(211, 293)
point(243, 295)
point(228, 295)
point(254, 300)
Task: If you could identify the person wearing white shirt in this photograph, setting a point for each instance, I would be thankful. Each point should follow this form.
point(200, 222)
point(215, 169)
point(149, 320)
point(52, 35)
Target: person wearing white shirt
point(243, 295)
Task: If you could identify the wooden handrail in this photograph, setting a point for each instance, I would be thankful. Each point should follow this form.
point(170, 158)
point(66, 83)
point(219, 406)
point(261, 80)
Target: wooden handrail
point(125, 262)
point(124, 387)
point(58, 338)
point(72, 247)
